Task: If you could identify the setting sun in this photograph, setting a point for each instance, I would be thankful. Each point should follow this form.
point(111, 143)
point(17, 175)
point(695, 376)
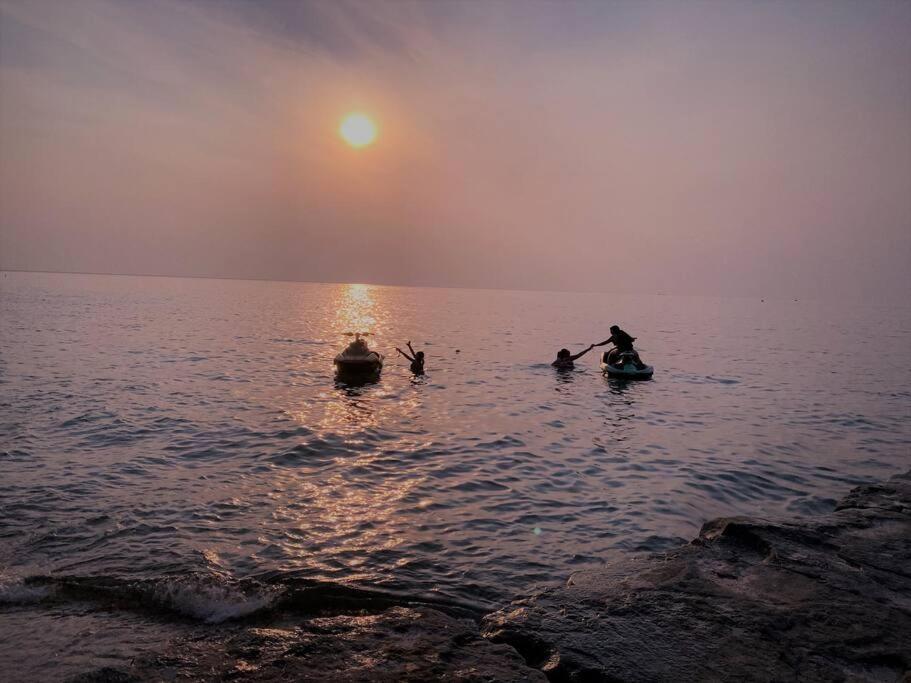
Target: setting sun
point(357, 130)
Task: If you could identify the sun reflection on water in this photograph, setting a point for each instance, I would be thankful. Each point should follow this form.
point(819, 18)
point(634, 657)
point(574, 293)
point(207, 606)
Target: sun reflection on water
point(345, 512)
point(349, 414)
point(358, 308)
point(351, 510)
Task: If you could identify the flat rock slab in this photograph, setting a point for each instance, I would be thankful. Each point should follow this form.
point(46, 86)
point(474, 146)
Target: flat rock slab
point(827, 599)
point(400, 644)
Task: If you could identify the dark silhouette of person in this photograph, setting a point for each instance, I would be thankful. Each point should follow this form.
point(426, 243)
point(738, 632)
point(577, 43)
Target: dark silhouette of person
point(565, 358)
point(623, 343)
point(416, 358)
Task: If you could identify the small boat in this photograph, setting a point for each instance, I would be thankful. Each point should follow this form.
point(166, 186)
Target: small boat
point(358, 359)
point(623, 366)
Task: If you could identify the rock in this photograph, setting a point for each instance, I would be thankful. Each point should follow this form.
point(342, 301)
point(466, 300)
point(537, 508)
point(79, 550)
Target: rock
point(106, 674)
point(827, 599)
point(399, 644)
point(748, 600)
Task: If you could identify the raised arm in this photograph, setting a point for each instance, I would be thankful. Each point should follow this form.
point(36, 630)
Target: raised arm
point(411, 349)
point(405, 354)
point(582, 353)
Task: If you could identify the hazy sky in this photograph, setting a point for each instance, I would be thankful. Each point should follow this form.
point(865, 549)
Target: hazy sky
point(748, 148)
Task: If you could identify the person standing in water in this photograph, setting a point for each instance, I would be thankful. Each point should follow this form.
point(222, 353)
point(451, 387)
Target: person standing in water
point(565, 358)
point(416, 358)
point(624, 344)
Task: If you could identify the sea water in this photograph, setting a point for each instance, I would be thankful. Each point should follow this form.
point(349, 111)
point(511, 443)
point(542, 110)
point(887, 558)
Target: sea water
point(173, 452)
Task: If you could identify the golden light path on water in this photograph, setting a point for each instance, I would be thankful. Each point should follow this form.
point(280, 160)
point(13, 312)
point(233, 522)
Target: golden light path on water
point(350, 510)
point(358, 308)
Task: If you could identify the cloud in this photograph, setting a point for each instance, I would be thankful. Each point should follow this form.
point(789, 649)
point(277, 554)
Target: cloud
point(737, 148)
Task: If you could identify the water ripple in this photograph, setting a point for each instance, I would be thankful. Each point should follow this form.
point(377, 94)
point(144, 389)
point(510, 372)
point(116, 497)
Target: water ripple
point(195, 430)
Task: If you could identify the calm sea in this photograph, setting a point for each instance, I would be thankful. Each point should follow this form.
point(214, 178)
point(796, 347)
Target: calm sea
point(183, 444)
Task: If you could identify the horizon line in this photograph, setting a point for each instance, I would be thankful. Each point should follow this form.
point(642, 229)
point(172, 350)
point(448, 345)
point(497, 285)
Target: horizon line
point(380, 284)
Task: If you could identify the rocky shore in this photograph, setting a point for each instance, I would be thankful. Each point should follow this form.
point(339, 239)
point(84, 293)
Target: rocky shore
point(826, 599)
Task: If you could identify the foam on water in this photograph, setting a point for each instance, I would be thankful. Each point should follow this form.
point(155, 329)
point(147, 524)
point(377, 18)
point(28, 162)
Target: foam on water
point(210, 601)
point(14, 591)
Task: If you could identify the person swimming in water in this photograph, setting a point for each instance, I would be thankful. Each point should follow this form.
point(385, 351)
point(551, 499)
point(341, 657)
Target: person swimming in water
point(416, 358)
point(623, 343)
point(565, 358)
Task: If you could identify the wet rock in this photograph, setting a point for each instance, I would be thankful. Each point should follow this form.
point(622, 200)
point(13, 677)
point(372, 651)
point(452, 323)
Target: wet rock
point(105, 674)
point(399, 644)
point(748, 600)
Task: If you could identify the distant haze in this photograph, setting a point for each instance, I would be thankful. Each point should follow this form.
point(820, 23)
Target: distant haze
point(746, 148)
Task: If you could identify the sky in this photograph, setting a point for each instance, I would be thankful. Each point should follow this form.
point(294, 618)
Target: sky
point(729, 147)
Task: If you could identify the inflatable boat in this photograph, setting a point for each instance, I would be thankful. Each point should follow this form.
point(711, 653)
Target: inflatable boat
point(623, 366)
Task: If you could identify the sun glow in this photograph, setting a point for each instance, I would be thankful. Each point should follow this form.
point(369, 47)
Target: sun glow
point(357, 130)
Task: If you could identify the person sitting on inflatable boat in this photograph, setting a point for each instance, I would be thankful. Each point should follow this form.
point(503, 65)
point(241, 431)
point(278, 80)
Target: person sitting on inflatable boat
point(358, 350)
point(623, 343)
point(358, 347)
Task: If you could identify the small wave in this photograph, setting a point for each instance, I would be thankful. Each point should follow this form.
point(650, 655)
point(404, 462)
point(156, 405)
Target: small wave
point(706, 379)
point(479, 485)
point(505, 441)
point(14, 591)
point(303, 595)
point(303, 342)
point(87, 418)
point(211, 598)
point(214, 599)
point(316, 451)
point(298, 430)
point(209, 601)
